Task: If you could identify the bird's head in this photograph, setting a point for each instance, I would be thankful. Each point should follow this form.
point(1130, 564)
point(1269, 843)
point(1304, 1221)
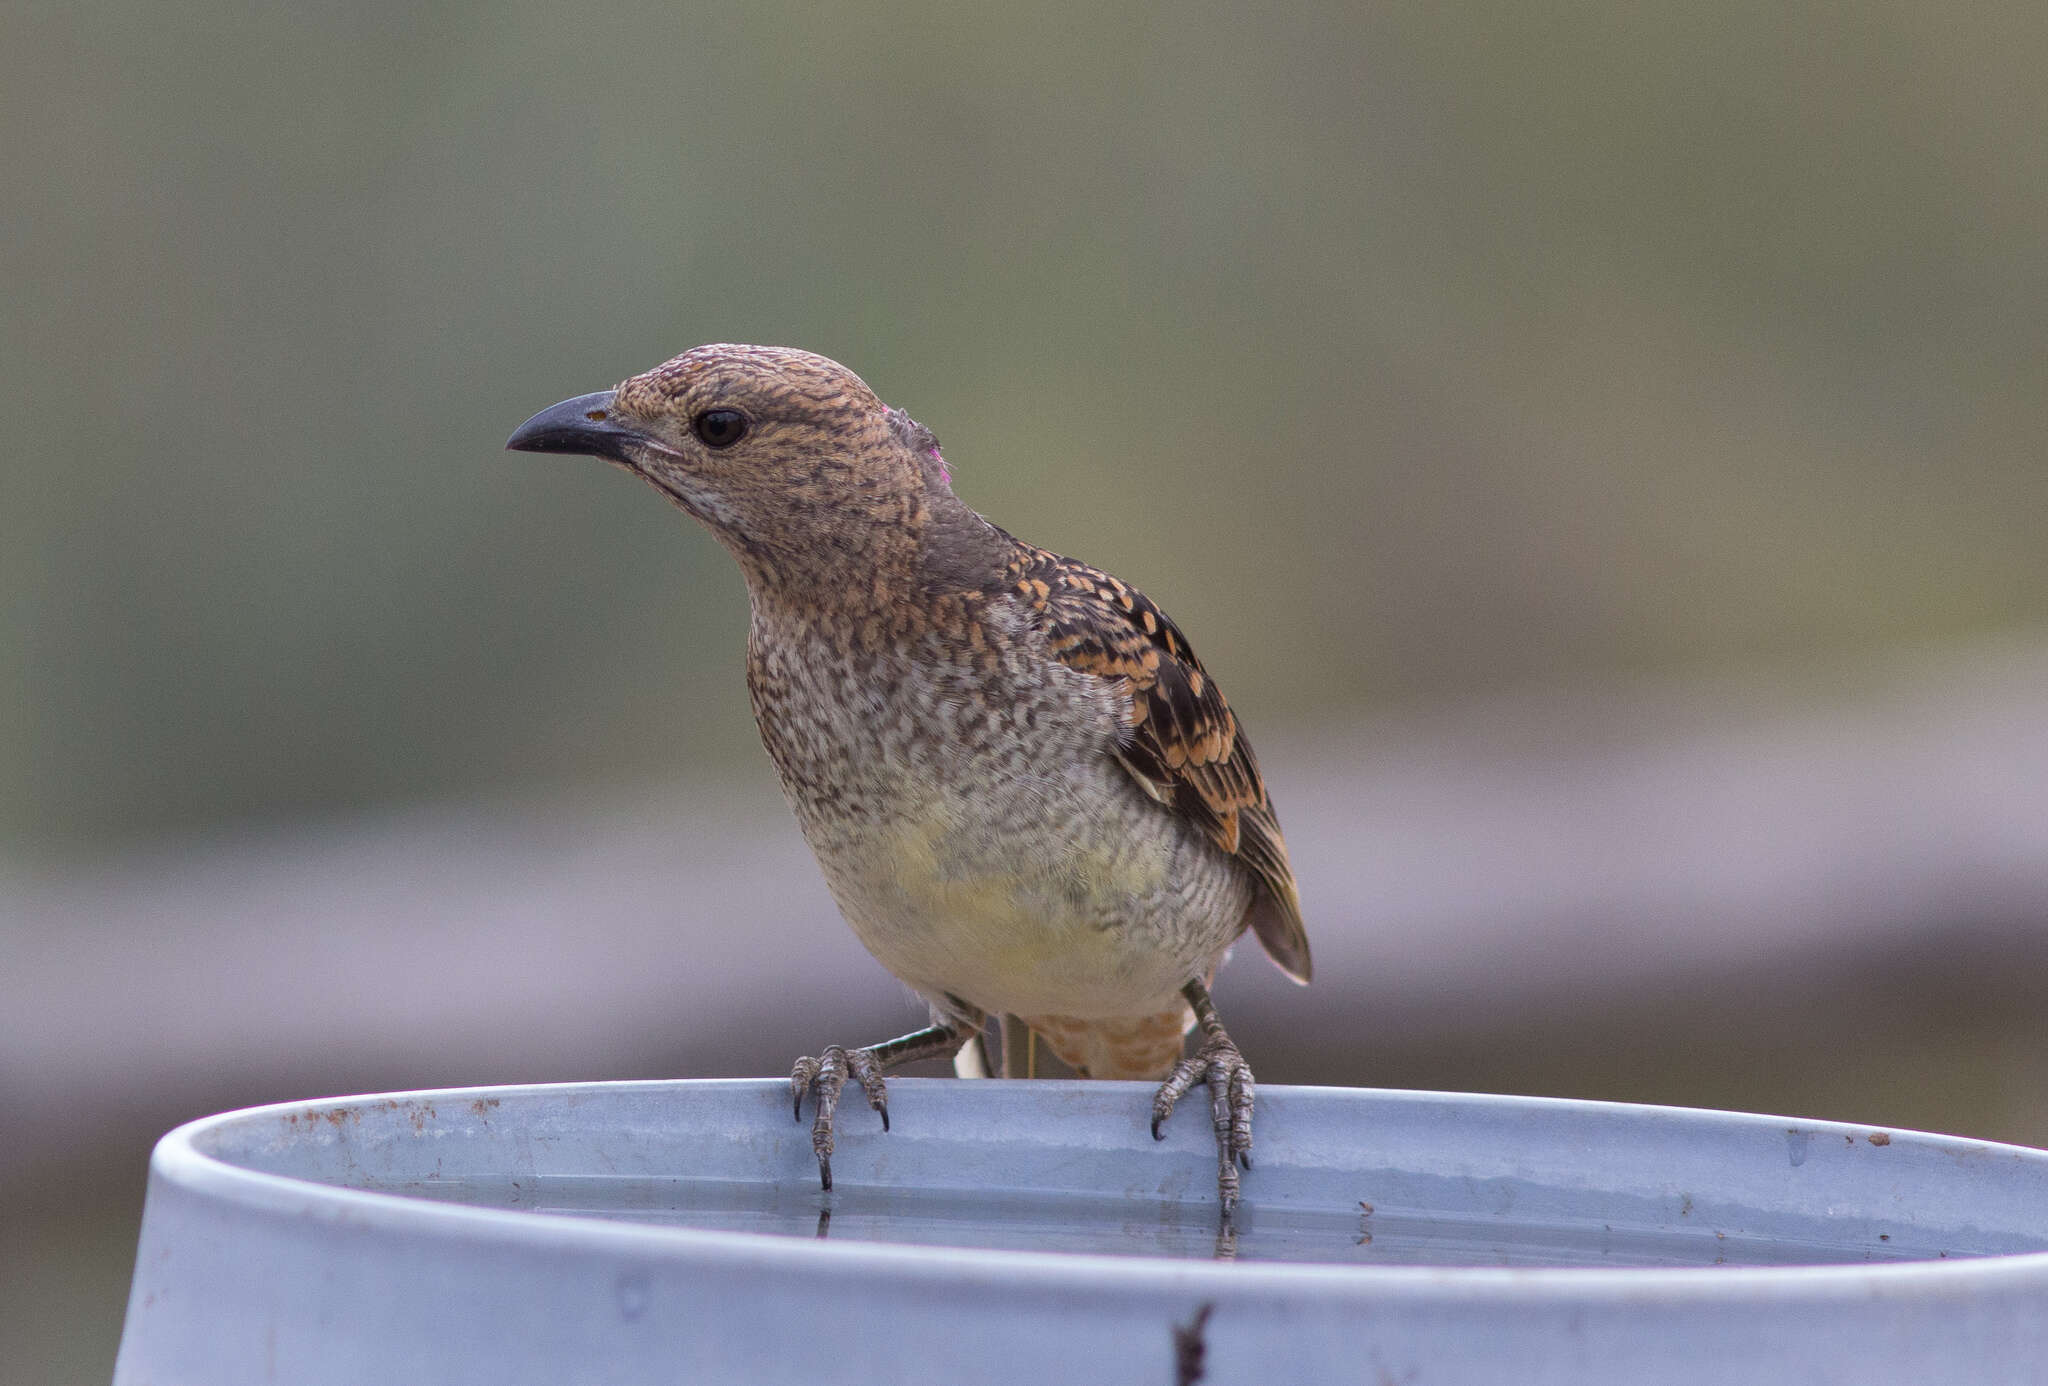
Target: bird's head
point(788, 457)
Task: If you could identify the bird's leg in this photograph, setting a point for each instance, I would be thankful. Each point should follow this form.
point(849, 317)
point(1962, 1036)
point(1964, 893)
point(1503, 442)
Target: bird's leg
point(827, 1074)
point(1020, 1049)
point(1219, 1064)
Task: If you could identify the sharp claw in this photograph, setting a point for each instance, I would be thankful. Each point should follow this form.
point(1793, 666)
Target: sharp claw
point(1220, 1067)
point(826, 1077)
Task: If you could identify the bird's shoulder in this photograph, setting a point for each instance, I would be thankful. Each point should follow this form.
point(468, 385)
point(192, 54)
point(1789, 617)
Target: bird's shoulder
point(1183, 742)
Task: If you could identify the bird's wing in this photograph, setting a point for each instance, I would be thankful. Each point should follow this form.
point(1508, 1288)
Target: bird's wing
point(1184, 745)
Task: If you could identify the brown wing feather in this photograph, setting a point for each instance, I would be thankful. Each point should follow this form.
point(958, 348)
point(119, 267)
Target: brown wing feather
point(1185, 746)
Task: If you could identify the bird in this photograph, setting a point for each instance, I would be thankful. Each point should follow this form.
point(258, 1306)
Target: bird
point(1028, 797)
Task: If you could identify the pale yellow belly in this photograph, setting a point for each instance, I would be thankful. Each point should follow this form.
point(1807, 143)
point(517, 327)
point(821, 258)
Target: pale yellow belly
point(1069, 924)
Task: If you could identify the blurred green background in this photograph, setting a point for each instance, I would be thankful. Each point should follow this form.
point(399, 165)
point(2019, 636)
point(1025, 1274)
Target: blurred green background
point(1406, 353)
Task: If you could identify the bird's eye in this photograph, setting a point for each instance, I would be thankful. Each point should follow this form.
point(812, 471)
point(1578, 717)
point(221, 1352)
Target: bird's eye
point(720, 428)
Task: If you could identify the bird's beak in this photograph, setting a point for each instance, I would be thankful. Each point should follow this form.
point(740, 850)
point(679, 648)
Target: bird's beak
point(582, 426)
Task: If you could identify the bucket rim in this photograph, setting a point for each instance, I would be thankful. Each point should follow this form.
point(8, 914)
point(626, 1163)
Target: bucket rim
point(182, 1160)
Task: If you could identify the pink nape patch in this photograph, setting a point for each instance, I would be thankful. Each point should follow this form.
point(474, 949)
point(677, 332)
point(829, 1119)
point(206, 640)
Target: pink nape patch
point(945, 472)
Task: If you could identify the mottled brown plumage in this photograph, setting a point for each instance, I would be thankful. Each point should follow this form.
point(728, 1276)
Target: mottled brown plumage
point(1026, 793)
point(1185, 747)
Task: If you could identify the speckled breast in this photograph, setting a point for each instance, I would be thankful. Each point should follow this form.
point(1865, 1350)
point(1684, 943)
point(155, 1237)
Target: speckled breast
point(963, 799)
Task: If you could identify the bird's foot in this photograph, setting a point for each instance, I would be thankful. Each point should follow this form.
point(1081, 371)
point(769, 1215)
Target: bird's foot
point(1231, 1090)
point(826, 1075)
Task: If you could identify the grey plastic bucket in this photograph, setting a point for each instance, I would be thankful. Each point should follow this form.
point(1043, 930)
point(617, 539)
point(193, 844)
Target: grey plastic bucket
point(1386, 1237)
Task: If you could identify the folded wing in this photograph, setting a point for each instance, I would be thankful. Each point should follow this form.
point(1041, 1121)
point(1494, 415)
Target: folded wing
point(1185, 746)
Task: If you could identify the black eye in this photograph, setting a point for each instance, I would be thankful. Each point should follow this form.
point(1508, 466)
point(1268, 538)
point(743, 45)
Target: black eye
point(720, 428)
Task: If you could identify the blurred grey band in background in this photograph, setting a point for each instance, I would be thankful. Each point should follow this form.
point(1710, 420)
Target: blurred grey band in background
point(1542, 855)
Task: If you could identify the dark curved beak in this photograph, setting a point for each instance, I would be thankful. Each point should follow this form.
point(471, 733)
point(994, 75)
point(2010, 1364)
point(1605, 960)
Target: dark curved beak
point(582, 426)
